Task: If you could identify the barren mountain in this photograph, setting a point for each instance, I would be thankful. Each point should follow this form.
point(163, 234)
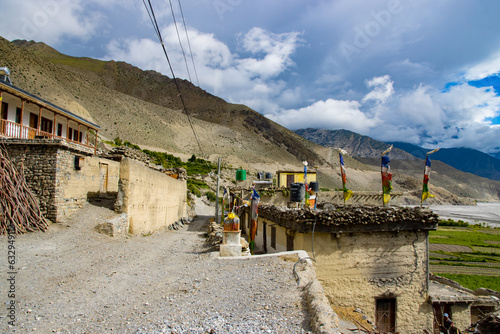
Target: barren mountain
point(143, 107)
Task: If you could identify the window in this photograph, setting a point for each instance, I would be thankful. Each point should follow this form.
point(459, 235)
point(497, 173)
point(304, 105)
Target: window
point(46, 125)
point(385, 315)
point(18, 115)
point(70, 133)
point(273, 237)
point(80, 137)
point(59, 129)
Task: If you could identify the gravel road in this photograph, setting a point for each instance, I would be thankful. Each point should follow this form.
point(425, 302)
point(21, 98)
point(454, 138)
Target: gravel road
point(72, 279)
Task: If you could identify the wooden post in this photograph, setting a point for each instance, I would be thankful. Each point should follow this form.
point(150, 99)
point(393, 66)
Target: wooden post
point(39, 120)
point(67, 131)
point(21, 120)
point(217, 194)
point(78, 135)
point(95, 145)
point(54, 126)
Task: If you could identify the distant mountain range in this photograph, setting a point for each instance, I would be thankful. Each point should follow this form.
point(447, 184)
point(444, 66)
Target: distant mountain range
point(359, 146)
point(464, 159)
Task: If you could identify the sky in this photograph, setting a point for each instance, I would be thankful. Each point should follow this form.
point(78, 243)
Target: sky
point(424, 72)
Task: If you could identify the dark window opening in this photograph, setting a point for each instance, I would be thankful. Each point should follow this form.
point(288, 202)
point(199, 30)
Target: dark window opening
point(59, 129)
point(273, 237)
point(289, 242)
point(46, 125)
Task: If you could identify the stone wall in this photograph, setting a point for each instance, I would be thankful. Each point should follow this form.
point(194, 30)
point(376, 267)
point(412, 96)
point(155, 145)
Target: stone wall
point(49, 168)
point(152, 200)
point(39, 165)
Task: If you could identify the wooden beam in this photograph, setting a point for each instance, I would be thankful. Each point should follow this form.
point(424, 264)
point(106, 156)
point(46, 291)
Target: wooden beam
point(39, 119)
point(95, 144)
point(67, 131)
point(21, 121)
point(54, 126)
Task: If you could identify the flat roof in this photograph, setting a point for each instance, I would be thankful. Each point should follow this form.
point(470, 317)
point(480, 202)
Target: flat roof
point(11, 89)
point(345, 219)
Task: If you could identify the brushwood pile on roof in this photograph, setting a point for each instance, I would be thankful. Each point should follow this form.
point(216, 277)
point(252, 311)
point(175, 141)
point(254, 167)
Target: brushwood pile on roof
point(393, 218)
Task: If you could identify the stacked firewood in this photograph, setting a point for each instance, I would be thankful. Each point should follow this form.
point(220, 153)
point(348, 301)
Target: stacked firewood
point(347, 215)
point(19, 209)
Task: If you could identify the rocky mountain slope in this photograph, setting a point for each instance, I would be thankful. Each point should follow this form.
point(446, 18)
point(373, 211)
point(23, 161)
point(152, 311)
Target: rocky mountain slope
point(143, 107)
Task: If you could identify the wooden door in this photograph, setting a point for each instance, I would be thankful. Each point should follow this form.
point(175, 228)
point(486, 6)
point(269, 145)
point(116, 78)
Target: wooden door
point(103, 177)
point(289, 180)
point(385, 313)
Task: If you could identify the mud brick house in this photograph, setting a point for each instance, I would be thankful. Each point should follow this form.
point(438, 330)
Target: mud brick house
point(372, 258)
point(56, 149)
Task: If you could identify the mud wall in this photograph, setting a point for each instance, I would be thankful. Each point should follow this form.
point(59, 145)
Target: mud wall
point(151, 199)
point(356, 269)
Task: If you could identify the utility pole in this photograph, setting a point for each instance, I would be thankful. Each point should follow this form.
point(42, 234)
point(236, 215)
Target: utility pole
point(217, 193)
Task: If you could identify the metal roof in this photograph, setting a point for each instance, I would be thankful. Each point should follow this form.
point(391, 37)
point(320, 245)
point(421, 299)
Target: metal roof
point(44, 103)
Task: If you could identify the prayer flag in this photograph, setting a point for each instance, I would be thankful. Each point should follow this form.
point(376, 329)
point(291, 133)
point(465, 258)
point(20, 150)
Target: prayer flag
point(427, 173)
point(347, 192)
point(385, 170)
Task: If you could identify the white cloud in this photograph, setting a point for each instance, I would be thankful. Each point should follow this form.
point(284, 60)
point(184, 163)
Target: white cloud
point(485, 68)
point(329, 114)
point(249, 80)
point(382, 89)
point(49, 21)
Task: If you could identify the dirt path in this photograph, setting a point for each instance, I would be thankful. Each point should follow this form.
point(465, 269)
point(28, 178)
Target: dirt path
point(72, 279)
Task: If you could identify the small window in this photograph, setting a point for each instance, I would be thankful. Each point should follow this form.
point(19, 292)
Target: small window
point(59, 129)
point(70, 134)
point(46, 125)
point(273, 237)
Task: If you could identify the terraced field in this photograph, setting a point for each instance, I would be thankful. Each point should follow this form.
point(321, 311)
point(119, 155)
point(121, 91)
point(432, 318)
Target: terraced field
point(469, 255)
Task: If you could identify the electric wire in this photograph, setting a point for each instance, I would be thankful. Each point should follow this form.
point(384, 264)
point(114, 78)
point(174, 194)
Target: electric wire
point(158, 33)
point(189, 44)
point(179, 38)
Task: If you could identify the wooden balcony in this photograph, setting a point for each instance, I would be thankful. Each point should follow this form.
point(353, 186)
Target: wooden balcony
point(10, 129)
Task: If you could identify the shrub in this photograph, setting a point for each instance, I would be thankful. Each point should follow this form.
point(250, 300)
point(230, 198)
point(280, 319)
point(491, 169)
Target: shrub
point(211, 196)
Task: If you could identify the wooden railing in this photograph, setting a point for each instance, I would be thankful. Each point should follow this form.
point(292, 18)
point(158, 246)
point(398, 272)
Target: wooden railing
point(16, 130)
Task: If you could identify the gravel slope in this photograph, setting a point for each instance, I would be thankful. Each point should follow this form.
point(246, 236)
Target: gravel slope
point(72, 279)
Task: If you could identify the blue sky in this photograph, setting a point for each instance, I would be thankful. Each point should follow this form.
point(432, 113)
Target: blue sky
point(424, 72)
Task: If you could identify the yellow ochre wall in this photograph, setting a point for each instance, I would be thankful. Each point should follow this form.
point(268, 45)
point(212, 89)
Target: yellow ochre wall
point(299, 177)
point(151, 199)
point(357, 268)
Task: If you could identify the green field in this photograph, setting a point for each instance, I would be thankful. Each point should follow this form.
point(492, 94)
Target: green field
point(469, 255)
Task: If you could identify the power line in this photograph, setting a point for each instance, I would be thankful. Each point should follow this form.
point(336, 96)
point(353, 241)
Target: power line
point(179, 38)
point(189, 44)
point(154, 22)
